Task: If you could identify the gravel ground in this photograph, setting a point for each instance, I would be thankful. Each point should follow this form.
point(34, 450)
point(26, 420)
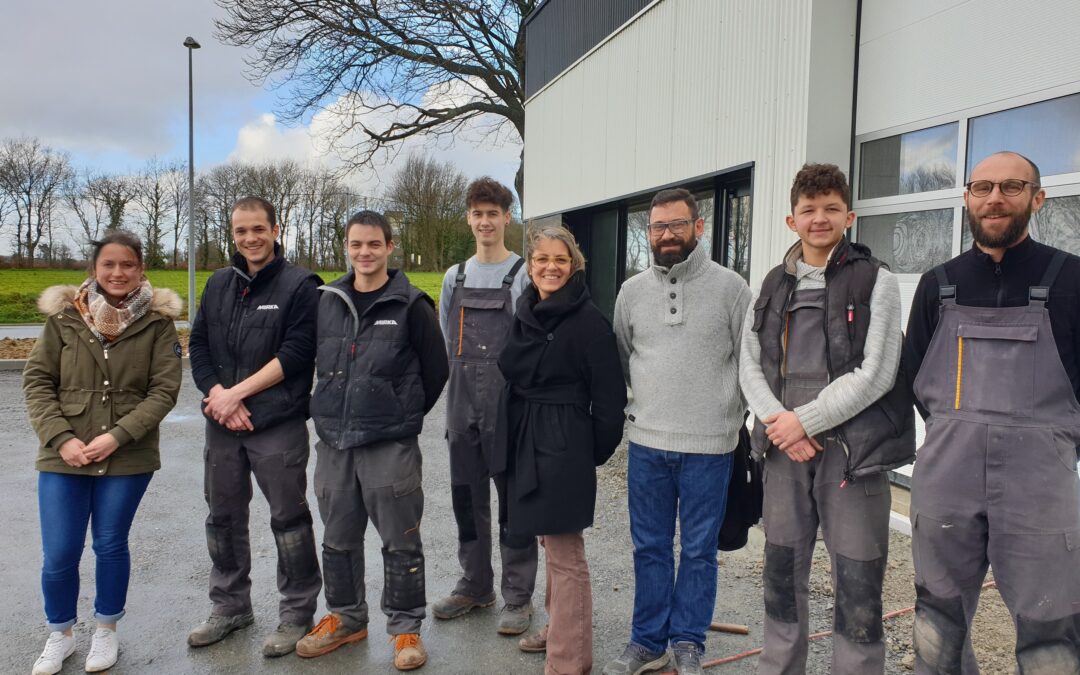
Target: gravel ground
point(168, 589)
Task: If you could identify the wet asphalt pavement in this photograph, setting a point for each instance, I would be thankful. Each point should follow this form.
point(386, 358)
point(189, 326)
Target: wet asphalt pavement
point(168, 593)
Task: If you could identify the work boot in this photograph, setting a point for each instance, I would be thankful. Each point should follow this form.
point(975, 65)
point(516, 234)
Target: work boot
point(327, 635)
point(515, 619)
point(635, 660)
point(455, 605)
point(283, 640)
point(535, 643)
point(217, 627)
point(104, 650)
point(687, 658)
point(409, 653)
point(57, 648)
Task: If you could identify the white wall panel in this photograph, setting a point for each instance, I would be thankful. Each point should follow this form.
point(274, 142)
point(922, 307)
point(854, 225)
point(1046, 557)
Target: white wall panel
point(919, 60)
point(693, 87)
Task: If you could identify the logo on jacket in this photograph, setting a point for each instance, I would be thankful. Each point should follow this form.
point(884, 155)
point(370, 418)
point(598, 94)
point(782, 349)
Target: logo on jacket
point(386, 322)
point(266, 307)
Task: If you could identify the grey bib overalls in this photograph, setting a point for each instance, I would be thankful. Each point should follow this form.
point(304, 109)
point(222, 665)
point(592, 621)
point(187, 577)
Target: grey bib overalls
point(854, 520)
point(479, 322)
point(995, 484)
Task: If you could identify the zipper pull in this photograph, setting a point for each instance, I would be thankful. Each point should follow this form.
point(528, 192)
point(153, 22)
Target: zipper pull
point(106, 350)
point(851, 321)
point(352, 351)
point(848, 478)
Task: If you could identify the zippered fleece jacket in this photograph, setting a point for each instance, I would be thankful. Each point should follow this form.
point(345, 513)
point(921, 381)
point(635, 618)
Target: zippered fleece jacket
point(679, 330)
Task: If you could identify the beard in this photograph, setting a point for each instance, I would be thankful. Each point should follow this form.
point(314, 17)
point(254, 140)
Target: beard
point(1013, 233)
point(670, 258)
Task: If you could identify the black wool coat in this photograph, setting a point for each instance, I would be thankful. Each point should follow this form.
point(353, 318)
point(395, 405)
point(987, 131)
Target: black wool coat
point(563, 409)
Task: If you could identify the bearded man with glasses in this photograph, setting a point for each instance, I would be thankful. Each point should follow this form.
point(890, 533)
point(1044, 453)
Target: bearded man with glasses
point(993, 349)
point(678, 327)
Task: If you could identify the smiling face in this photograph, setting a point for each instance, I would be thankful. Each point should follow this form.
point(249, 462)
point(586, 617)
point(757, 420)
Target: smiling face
point(820, 222)
point(550, 266)
point(488, 223)
point(368, 250)
point(254, 237)
point(667, 247)
point(998, 221)
point(117, 271)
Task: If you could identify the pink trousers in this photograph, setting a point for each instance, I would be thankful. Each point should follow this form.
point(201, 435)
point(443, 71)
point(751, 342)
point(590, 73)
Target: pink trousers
point(568, 601)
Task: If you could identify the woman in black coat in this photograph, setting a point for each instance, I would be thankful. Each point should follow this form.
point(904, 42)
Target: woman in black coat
point(564, 400)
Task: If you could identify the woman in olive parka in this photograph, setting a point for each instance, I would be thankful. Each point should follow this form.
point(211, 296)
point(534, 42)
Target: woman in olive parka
point(98, 382)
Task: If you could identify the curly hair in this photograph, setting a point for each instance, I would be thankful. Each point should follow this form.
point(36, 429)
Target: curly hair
point(816, 179)
point(487, 190)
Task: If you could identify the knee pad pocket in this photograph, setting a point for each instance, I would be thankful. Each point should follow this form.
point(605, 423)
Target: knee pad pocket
point(940, 631)
point(403, 584)
point(338, 578)
point(1045, 647)
point(220, 545)
point(780, 583)
point(296, 551)
point(461, 498)
point(858, 598)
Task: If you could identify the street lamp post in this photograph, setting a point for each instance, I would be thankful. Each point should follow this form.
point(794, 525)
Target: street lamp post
point(191, 45)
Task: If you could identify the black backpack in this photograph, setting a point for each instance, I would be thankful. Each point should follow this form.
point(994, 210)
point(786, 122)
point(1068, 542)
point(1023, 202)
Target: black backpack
point(744, 498)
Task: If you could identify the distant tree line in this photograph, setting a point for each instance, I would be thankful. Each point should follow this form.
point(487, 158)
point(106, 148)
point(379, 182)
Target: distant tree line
point(47, 204)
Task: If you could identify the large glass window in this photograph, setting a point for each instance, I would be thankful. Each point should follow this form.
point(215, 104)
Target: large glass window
point(909, 243)
point(603, 249)
point(1057, 223)
point(918, 161)
point(637, 240)
point(1047, 132)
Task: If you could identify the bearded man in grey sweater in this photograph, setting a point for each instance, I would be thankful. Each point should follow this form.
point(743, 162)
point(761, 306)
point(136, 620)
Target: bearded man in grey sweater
point(678, 326)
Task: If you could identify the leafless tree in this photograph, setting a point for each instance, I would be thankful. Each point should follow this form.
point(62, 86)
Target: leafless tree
point(401, 69)
point(81, 200)
point(175, 180)
point(431, 198)
point(32, 176)
point(151, 199)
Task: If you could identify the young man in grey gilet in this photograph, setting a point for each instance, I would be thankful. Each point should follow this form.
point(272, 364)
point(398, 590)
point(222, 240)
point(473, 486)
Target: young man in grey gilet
point(476, 310)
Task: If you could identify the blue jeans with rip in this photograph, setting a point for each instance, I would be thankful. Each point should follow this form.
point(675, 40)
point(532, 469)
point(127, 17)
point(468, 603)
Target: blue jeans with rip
point(67, 504)
point(662, 486)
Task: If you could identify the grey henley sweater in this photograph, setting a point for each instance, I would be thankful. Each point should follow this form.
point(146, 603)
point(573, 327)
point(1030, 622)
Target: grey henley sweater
point(849, 394)
point(678, 332)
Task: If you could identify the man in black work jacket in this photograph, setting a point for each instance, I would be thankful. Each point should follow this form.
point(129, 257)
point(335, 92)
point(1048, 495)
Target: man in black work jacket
point(993, 346)
point(252, 356)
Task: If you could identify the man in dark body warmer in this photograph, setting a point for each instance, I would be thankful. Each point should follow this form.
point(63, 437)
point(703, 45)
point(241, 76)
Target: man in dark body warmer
point(252, 356)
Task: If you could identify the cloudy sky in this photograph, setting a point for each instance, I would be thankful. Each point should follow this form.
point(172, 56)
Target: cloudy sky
point(106, 80)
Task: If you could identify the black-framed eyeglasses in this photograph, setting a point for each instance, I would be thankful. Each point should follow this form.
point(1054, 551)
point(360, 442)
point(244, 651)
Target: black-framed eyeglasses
point(677, 227)
point(1010, 187)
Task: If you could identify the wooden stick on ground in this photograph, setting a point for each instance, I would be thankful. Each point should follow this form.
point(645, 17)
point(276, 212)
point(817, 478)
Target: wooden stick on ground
point(736, 628)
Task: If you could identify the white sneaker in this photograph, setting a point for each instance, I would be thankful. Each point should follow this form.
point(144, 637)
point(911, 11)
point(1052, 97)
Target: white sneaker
point(104, 649)
point(58, 648)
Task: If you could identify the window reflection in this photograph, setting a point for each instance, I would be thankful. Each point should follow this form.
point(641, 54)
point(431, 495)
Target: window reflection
point(909, 243)
point(637, 240)
point(738, 239)
point(918, 161)
point(1045, 132)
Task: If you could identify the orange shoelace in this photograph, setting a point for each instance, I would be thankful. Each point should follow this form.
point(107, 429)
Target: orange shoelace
point(326, 626)
point(405, 640)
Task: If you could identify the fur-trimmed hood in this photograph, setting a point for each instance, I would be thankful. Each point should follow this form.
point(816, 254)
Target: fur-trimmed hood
point(56, 299)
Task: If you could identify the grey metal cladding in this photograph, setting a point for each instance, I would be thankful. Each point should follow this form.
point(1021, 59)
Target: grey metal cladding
point(560, 32)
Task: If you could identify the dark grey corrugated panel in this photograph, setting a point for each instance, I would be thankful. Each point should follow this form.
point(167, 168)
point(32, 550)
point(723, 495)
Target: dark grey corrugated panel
point(562, 31)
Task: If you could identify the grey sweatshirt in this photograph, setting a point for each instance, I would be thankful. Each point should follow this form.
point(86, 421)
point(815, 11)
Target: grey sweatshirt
point(849, 394)
point(678, 333)
point(481, 275)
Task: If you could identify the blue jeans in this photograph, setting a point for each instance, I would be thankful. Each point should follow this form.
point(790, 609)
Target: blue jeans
point(67, 503)
point(662, 485)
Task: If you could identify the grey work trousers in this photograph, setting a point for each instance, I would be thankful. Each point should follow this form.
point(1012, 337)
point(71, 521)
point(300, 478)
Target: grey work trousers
point(854, 522)
point(278, 458)
point(381, 481)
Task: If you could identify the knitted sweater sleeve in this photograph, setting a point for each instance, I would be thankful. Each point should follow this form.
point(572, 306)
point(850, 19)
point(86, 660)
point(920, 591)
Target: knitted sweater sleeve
point(850, 394)
point(759, 397)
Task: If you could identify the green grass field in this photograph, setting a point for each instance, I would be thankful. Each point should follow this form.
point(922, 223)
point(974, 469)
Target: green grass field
point(19, 289)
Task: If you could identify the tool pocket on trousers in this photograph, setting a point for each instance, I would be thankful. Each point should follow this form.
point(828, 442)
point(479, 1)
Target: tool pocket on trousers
point(995, 368)
point(929, 548)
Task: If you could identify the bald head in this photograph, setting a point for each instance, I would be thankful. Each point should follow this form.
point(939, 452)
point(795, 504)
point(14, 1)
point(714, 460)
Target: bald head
point(1023, 167)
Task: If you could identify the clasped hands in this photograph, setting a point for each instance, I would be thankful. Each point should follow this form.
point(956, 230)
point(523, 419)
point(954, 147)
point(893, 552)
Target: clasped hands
point(76, 453)
point(786, 432)
point(227, 408)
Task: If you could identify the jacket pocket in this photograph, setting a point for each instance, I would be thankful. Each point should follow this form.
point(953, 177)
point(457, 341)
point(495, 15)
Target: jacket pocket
point(761, 305)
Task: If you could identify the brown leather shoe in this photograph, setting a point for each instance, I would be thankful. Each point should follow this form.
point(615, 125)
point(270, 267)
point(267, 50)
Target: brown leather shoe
point(409, 653)
point(537, 642)
point(327, 635)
